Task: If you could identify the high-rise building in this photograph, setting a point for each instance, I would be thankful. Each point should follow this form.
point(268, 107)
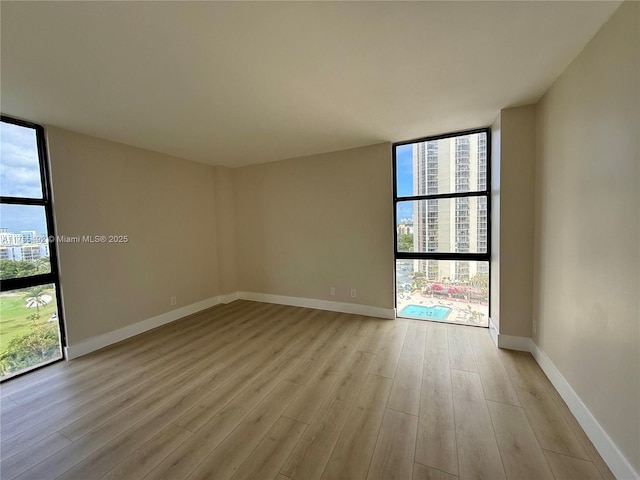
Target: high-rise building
point(457, 225)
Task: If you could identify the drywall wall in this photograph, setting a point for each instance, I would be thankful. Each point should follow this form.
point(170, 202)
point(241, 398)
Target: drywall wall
point(225, 226)
point(306, 224)
point(587, 237)
point(164, 205)
point(517, 159)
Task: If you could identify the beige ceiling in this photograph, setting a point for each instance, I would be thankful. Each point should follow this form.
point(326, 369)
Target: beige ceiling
point(241, 82)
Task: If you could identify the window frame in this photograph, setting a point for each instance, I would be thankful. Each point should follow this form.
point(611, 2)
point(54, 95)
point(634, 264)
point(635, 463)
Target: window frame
point(486, 192)
point(486, 256)
point(53, 277)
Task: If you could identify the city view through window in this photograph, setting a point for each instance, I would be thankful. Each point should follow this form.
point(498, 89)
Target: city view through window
point(30, 332)
point(442, 211)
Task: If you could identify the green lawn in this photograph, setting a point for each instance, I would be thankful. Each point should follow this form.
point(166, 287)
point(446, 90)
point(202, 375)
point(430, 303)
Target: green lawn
point(14, 313)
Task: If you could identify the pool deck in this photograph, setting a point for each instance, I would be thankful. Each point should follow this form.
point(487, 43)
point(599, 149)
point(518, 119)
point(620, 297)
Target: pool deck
point(460, 309)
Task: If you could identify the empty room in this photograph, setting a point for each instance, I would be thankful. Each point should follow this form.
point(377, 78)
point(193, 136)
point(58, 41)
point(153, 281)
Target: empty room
point(320, 240)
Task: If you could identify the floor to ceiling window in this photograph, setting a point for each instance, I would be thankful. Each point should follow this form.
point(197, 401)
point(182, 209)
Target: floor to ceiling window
point(31, 333)
point(442, 248)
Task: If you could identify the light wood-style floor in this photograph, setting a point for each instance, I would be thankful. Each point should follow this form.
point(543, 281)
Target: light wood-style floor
point(258, 391)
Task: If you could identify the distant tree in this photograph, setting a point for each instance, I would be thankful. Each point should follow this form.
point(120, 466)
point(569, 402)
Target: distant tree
point(16, 268)
point(37, 346)
point(405, 242)
point(35, 295)
point(480, 280)
point(418, 280)
point(43, 265)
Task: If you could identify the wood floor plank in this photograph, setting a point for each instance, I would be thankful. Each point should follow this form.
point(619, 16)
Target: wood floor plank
point(377, 335)
point(388, 355)
point(310, 456)
point(90, 445)
point(395, 448)
point(314, 335)
point(137, 386)
point(149, 455)
point(225, 460)
point(565, 467)
point(271, 453)
point(306, 370)
point(437, 336)
point(495, 381)
point(436, 442)
point(102, 461)
point(352, 453)
point(338, 337)
point(407, 385)
point(206, 439)
point(521, 454)
point(13, 466)
point(262, 370)
point(146, 399)
point(478, 454)
point(422, 472)
point(460, 352)
point(551, 430)
point(312, 396)
point(325, 340)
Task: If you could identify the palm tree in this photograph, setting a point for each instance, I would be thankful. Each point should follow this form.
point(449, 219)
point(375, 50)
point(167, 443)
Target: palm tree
point(35, 297)
point(42, 265)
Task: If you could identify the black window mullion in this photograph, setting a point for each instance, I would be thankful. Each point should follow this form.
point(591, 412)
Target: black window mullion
point(26, 282)
point(23, 201)
point(436, 196)
point(480, 257)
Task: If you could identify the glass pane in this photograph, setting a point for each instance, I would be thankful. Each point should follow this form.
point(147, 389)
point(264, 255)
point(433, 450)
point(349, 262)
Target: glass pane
point(29, 329)
point(446, 225)
point(24, 246)
point(456, 164)
point(452, 291)
point(19, 162)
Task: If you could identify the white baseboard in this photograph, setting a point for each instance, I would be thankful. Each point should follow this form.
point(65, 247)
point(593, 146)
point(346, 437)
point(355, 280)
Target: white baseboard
point(389, 313)
point(101, 341)
point(607, 449)
point(511, 342)
point(493, 331)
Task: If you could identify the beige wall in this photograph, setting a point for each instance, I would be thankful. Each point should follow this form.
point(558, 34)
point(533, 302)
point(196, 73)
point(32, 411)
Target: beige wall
point(517, 159)
point(586, 249)
point(166, 207)
point(304, 225)
point(226, 230)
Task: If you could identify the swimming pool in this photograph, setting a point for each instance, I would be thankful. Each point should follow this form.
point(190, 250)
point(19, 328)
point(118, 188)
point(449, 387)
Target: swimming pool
point(435, 312)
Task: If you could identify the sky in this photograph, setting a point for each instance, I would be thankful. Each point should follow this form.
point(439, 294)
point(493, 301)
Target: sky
point(404, 172)
point(20, 177)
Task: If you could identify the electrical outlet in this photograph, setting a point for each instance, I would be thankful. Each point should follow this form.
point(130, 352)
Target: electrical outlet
point(354, 294)
point(172, 300)
point(332, 291)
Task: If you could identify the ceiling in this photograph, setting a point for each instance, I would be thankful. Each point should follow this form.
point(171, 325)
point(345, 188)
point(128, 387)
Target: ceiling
point(238, 83)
